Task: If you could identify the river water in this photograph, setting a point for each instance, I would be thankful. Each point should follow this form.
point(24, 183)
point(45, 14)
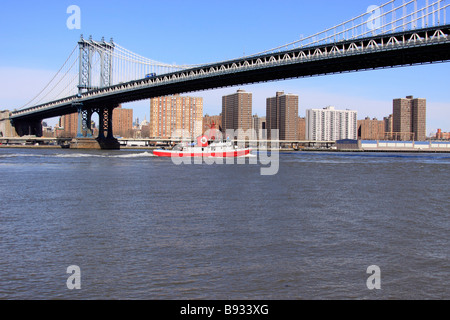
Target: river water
point(141, 227)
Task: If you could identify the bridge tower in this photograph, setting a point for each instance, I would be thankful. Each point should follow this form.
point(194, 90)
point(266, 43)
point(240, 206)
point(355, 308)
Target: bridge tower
point(88, 49)
point(91, 53)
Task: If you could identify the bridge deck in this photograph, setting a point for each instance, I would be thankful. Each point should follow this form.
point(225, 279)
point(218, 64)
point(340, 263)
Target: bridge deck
point(429, 45)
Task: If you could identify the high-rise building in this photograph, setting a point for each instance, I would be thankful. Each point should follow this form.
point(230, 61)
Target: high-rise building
point(419, 119)
point(301, 129)
point(288, 121)
point(69, 125)
point(409, 118)
point(329, 124)
point(272, 118)
point(259, 126)
point(371, 129)
point(237, 112)
point(176, 115)
point(123, 122)
point(282, 115)
point(388, 127)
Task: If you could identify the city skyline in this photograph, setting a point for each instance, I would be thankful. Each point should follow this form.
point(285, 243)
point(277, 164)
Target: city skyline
point(370, 92)
point(372, 128)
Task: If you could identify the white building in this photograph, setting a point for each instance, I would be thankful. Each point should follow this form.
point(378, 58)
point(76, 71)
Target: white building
point(329, 124)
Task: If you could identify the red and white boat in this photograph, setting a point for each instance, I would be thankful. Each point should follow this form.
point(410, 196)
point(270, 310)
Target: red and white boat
point(205, 148)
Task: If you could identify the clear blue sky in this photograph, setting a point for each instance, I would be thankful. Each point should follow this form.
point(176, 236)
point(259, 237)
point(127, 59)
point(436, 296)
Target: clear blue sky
point(36, 40)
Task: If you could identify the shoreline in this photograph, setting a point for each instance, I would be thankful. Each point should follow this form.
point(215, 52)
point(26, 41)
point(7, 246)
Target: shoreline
point(281, 150)
point(2, 146)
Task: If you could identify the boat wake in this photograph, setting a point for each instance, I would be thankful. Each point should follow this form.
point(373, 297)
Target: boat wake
point(134, 155)
point(80, 155)
point(239, 157)
point(124, 156)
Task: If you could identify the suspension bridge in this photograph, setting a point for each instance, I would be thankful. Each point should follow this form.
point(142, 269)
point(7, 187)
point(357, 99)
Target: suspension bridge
point(99, 75)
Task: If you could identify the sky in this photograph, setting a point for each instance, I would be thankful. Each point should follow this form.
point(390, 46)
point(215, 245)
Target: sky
point(36, 41)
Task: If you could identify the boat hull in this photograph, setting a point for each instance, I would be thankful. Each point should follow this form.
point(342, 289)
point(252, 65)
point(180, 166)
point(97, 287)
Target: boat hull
point(188, 154)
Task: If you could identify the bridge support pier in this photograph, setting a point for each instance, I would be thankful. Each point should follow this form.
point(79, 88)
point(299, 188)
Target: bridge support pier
point(84, 122)
point(106, 126)
point(105, 139)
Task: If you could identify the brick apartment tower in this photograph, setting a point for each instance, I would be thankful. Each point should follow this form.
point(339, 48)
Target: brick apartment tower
point(282, 114)
point(176, 114)
point(371, 129)
point(301, 129)
point(70, 124)
point(123, 122)
point(259, 125)
point(409, 118)
point(237, 112)
point(388, 127)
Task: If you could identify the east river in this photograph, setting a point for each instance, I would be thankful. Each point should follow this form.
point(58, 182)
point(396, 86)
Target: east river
point(141, 227)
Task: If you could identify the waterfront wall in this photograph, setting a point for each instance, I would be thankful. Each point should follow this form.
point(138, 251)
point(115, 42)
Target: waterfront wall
point(405, 145)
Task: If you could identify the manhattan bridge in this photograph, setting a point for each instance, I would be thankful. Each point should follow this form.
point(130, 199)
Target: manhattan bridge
point(97, 76)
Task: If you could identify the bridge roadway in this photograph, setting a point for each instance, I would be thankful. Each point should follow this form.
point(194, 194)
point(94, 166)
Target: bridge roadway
point(382, 51)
